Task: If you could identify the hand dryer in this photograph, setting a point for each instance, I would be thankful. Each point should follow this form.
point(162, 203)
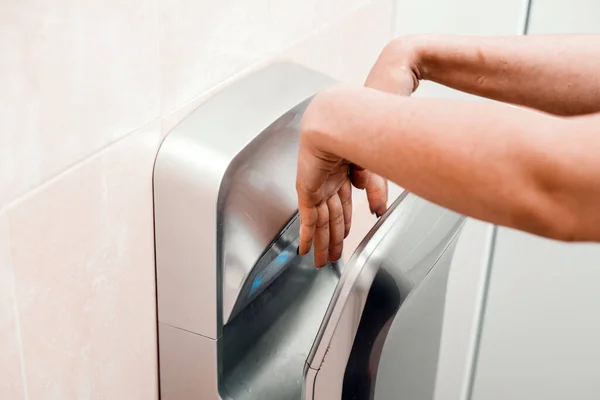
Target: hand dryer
point(240, 315)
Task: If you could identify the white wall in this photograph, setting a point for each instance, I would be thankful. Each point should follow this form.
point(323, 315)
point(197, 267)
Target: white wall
point(541, 328)
point(87, 91)
point(457, 17)
point(541, 333)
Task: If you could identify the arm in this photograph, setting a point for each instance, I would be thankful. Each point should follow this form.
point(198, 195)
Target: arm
point(551, 73)
point(501, 164)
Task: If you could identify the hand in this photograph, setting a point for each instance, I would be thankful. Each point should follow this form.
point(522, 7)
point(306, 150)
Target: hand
point(324, 185)
point(324, 180)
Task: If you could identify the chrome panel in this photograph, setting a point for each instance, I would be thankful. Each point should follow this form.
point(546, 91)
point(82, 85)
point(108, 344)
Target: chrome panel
point(263, 350)
point(382, 304)
point(355, 283)
point(256, 201)
point(406, 243)
point(410, 354)
point(465, 292)
point(225, 207)
point(192, 193)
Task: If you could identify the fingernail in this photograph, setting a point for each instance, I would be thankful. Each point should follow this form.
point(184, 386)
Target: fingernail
point(298, 250)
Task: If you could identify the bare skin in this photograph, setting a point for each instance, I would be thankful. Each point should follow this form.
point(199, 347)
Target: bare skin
point(510, 166)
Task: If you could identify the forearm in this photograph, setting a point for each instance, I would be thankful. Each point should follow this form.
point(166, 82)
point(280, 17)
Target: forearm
point(500, 164)
point(558, 74)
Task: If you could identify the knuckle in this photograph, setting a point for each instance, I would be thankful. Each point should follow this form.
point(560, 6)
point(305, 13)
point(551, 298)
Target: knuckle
point(309, 222)
point(322, 224)
point(336, 244)
point(338, 218)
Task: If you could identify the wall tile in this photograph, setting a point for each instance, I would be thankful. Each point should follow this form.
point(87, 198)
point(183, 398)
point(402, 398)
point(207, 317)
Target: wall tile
point(82, 250)
point(173, 118)
point(11, 379)
point(74, 77)
point(348, 48)
point(345, 49)
point(203, 43)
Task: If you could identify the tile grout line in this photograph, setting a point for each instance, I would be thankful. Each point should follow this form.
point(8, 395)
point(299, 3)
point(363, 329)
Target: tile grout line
point(17, 314)
point(161, 135)
point(10, 204)
point(275, 55)
point(161, 114)
point(77, 163)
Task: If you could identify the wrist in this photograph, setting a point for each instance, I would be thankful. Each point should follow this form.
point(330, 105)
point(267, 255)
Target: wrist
point(342, 119)
point(406, 52)
point(417, 52)
point(322, 118)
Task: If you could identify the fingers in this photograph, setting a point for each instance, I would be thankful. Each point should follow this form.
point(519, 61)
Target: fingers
point(336, 227)
point(376, 186)
point(326, 226)
point(359, 177)
point(309, 189)
point(345, 194)
point(321, 237)
point(377, 194)
point(308, 223)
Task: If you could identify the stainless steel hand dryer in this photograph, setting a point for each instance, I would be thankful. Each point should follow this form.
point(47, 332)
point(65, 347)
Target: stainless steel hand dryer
point(240, 315)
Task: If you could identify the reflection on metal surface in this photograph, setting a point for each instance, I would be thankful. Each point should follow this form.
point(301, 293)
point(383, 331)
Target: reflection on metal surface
point(224, 210)
point(405, 245)
point(264, 348)
point(410, 354)
point(382, 303)
point(273, 262)
point(217, 172)
point(256, 200)
point(351, 284)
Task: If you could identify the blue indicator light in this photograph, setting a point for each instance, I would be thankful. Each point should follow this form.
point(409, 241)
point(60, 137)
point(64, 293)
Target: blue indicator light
point(255, 285)
point(283, 257)
point(257, 282)
point(269, 272)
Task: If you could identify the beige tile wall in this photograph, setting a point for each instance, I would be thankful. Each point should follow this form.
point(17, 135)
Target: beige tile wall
point(87, 90)
point(12, 384)
point(75, 76)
